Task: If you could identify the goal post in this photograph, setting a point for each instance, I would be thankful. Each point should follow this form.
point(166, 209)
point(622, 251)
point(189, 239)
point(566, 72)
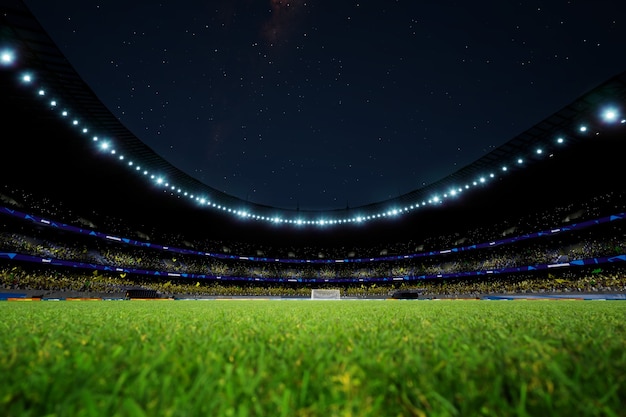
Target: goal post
point(324, 294)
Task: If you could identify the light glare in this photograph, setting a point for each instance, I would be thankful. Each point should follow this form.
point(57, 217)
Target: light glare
point(7, 58)
point(610, 115)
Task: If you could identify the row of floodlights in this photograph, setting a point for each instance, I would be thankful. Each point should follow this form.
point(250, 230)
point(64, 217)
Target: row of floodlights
point(608, 115)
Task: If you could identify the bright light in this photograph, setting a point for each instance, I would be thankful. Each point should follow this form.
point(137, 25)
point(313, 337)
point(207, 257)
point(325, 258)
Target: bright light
point(583, 128)
point(27, 78)
point(559, 140)
point(7, 57)
point(610, 115)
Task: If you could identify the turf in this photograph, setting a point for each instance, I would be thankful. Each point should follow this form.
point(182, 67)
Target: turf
point(313, 358)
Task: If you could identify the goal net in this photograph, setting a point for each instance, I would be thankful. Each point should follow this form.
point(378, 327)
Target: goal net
point(319, 294)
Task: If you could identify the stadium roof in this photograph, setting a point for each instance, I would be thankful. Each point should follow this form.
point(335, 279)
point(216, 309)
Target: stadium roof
point(36, 53)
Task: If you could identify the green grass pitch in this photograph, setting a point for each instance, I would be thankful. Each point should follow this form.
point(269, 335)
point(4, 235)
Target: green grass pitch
point(313, 358)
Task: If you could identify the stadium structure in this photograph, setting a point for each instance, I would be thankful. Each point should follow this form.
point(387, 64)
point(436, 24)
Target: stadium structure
point(53, 148)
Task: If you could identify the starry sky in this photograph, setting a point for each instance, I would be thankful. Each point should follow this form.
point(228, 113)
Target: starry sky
point(322, 104)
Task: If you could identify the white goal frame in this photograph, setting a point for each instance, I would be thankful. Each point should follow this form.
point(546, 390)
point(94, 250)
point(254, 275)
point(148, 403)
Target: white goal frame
point(325, 294)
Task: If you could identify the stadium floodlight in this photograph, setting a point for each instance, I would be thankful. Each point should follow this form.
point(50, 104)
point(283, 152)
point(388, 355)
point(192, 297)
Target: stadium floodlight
point(7, 57)
point(583, 128)
point(610, 115)
point(539, 151)
point(27, 78)
point(560, 140)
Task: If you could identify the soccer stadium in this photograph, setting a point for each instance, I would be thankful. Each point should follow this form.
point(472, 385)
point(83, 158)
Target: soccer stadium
point(476, 294)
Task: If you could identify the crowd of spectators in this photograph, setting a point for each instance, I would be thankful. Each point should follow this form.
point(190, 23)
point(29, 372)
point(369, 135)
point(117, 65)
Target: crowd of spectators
point(609, 279)
point(602, 240)
point(576, 211)
point(608, 239)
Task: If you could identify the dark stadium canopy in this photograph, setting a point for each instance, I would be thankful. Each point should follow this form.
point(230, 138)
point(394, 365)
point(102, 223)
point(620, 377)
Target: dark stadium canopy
point(36, 52)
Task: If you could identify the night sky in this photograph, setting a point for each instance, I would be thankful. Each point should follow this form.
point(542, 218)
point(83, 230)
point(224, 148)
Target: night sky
point(326, 104)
